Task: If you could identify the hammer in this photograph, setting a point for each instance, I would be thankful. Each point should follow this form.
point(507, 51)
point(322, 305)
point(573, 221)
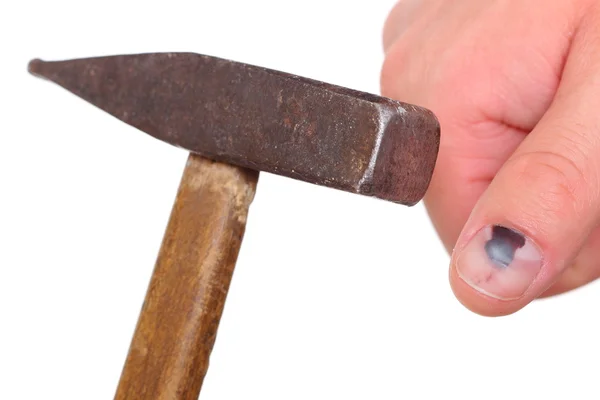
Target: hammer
point(235, 120)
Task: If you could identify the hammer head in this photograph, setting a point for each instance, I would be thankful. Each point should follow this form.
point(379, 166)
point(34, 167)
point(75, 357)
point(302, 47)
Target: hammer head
point(263, 119)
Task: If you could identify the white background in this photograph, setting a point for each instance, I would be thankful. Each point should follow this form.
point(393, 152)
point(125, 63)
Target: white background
point(335, 296)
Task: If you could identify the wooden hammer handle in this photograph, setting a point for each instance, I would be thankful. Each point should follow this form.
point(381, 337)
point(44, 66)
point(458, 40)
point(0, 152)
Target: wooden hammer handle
point(176, 330)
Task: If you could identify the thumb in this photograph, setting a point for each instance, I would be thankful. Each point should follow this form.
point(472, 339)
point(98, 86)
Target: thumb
point(540, 208)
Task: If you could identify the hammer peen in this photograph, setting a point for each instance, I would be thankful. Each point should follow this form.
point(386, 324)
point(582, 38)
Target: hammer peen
point(236, 120)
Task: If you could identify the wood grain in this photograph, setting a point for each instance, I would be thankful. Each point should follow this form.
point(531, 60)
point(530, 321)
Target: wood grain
point(169, 354)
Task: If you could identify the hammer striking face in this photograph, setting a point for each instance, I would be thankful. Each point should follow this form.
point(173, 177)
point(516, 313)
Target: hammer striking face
point(263, 119)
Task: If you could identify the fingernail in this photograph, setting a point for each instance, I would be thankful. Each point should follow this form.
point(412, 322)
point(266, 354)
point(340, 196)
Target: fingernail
point(499, 262)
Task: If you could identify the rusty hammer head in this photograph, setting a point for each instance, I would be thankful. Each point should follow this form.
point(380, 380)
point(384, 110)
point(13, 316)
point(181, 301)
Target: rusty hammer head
point(263, 119)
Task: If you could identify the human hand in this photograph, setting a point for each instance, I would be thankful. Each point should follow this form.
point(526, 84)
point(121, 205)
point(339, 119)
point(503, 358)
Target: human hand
point(516, 87)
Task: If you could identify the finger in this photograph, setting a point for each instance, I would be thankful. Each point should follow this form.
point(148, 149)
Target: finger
point(535, 216)
point(473, 145)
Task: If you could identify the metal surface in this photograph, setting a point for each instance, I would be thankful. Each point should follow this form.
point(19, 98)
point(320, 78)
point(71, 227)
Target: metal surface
point(263, 119)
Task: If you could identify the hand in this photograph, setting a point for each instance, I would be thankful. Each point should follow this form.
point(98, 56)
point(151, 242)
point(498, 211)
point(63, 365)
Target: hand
point(516, 191)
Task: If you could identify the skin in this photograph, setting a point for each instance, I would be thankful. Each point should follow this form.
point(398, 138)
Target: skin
point(516, 87)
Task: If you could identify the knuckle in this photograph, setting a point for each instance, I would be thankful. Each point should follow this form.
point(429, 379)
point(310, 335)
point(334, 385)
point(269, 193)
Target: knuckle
point(556, 182)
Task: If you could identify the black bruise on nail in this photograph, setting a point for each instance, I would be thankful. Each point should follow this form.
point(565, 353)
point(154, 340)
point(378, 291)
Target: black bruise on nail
point(502, 246)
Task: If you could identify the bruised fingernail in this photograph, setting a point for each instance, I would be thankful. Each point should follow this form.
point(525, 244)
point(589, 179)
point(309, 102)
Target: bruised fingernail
point(499, 262)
